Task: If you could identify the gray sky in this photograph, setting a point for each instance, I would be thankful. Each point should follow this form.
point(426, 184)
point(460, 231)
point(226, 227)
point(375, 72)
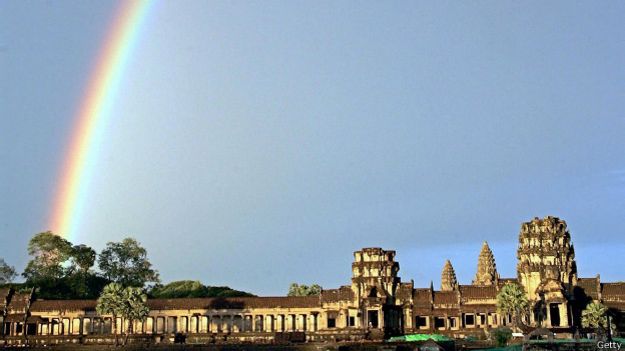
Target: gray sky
point(254, 144)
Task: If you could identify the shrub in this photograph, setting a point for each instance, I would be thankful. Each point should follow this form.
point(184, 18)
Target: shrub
point(502, 335)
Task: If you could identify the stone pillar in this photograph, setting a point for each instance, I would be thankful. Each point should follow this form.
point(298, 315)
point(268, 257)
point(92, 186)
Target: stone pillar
point(87, 326)
point(280, 323)
point(214, 324)
point(258, 320)
point(237, 323)
point(225, 324)
point(564, 318)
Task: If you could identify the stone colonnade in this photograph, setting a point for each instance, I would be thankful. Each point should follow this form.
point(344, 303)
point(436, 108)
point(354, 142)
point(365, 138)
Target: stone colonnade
point(156, 323)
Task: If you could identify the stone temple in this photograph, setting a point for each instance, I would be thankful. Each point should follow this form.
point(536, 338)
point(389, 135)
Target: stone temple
point(375, 305)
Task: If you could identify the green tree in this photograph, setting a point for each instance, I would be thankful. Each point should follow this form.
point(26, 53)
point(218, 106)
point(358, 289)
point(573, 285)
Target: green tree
point(49, 252)
point(512, 301)
point(134, 308)
point(111, 302)
point(127, 263)
point(59, 270)
point(595, 316)
point(304, 290)
point(7, 273)
point(83, 258)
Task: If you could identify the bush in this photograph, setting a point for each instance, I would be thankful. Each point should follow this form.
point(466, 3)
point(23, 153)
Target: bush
point(502, 335)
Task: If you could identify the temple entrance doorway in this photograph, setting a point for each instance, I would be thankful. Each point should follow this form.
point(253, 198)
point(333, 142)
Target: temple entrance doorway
point(372, 317)
point(554, 314)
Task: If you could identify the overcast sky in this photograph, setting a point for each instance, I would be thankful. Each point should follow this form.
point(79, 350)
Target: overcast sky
point(258, 143)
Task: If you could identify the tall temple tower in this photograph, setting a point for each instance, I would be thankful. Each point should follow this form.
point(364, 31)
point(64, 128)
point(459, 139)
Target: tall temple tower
point(545, 253)
point(374, 273)
point(546, 268)
point(375, 285)
point(448, 278)
point(486, 268)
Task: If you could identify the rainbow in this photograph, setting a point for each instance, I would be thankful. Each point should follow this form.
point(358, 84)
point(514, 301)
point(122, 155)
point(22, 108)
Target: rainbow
point(93, 113)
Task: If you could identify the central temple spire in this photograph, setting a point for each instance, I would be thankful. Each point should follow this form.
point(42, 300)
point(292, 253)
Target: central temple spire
point(486, 267)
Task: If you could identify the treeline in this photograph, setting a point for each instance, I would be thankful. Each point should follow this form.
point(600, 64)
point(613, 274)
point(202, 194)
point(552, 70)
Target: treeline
point(189, 288)
point(58, 269)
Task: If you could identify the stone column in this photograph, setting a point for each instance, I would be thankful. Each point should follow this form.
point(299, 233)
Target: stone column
point(289, 322)
point(280, 323)
point(214, 324)
point(564, 319)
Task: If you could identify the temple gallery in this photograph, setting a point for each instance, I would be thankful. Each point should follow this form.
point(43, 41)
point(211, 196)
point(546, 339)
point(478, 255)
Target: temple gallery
point(375, 304)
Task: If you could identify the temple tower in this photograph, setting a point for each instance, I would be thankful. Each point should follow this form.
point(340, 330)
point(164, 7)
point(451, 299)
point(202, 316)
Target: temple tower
point(375, 284)
point(448, 278)
point(374, 273)
point(486, 267)
point(546, 268)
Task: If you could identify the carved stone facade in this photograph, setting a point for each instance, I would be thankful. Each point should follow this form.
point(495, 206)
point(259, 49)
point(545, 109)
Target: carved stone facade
point(376, 303)
point(546, 269)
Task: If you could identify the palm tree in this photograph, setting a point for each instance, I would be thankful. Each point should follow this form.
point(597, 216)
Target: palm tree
point(134, 307)
point(512, 301)
point(595, 316)
point(111, 302)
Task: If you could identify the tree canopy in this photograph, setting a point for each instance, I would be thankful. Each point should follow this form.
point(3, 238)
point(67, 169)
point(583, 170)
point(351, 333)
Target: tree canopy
point(595, 316)
point(83, 257)
point(59, 270)
point(127, 263)
point(512, 301)
point(304, 290)
point(190, 288)
point(49, 252)
point(129, 303)
point(7, 273)
point(111, 302)
point(134, 307)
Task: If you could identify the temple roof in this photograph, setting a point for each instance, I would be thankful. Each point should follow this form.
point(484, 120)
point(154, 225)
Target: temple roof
point(478, 292)
point(234, 303)
point(445, 297)
point(613, 290)
point(19, 302)
point(343, 293)
point(589, 286)
point(405, 291)
point(422, 296)
point(63, 305)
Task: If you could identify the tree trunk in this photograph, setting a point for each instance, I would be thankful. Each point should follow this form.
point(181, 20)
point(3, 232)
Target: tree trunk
point(114, 325)
point(128, 330)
